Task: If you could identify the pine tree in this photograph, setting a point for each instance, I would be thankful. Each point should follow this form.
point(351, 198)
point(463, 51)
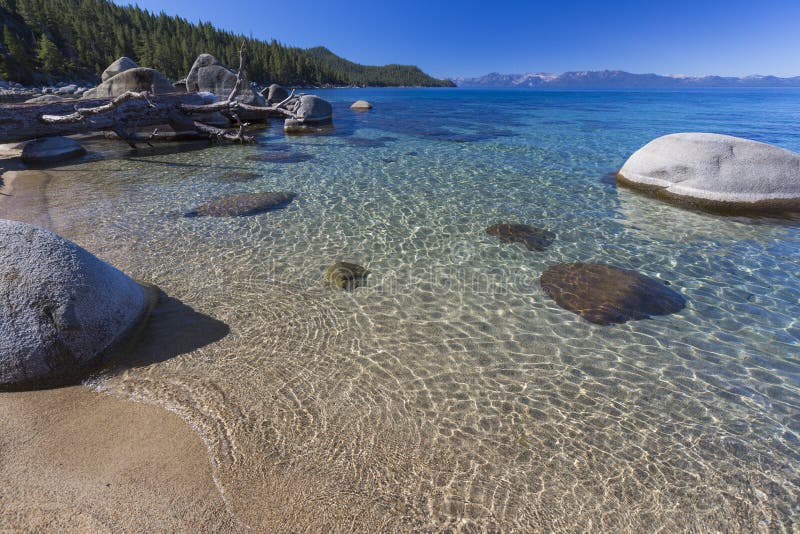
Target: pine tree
point(50, 57)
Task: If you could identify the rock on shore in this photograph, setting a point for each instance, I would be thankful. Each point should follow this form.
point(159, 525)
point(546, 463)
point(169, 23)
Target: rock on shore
point(120, 65)
point(716, 171)
point(51, 150)
point(137, 79)
point(64, 309)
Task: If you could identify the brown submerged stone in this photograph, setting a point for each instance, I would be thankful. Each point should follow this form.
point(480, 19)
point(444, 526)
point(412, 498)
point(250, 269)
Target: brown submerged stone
point(236, 176)
point(344, 275)
point(281, 157)
point(242, 204)
point(532, 237)
point(605, 295)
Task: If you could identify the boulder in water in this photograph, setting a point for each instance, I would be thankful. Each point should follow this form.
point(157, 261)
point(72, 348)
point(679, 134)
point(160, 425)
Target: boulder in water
point(312, 114)
point(716, 171)
point(361, 105)
point(276, 94)
point(344, 275)
point(242, 204)
point(51, 150)
point(605, 295)
point(532, 237)
point(137, 80)
point(121, 65)
point(64, 311)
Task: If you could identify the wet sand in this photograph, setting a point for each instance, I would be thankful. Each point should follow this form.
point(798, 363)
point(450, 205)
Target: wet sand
point(72, 459)
point(75, 460)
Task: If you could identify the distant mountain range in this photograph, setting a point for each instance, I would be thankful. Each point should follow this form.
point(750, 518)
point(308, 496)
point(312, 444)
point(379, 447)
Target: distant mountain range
point(617, 79)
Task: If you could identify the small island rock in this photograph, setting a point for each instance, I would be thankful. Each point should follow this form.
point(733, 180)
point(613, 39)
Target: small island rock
point(121, 65)
point(716, 171)
point(51, 150)
point(344, 275)
point(64, 310)
point(361, 105)
point(603, 294)
point(242, 204)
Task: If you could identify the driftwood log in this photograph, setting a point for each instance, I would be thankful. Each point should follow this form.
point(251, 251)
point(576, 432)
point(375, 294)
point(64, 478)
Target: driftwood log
point(127, 113)
point(20, 122)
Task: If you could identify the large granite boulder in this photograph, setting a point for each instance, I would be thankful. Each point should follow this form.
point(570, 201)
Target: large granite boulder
point(137, 80)
point(120, 65)
point(276, 94)
point(51, 150)
point(62, 310)
point(313, 114)
point(203, 60)
point(716, 171)
point(208, 75)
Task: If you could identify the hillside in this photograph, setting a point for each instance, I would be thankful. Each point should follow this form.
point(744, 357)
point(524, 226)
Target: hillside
point(616, 79)
point(51, 40)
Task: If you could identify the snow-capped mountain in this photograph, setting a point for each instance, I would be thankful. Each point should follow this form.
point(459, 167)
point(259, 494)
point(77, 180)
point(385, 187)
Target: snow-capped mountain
point(617, 79)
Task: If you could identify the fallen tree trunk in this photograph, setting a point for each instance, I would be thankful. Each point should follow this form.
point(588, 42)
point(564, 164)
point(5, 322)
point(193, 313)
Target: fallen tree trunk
point(20, 122)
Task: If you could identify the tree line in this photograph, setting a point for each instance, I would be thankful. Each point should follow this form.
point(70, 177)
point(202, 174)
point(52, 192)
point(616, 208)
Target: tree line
point(47, 40)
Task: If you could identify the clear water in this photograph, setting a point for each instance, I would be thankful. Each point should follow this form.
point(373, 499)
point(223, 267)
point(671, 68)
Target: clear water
point(451, 393)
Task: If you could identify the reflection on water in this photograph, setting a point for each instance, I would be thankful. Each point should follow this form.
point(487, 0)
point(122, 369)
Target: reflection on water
point(450, 391)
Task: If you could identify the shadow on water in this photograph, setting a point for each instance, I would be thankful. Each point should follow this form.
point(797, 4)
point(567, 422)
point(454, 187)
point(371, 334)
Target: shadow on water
point(174, 328)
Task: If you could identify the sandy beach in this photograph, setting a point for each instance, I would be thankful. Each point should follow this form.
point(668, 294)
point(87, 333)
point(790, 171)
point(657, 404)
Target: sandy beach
point(72, 459)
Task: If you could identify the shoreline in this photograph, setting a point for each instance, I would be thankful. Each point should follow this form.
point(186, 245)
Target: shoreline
point(77, 458)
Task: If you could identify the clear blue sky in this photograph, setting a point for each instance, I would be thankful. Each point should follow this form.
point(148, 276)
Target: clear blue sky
point(470, 38)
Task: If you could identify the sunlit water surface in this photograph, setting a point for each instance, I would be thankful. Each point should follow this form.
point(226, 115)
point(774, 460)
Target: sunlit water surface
point(451, 392)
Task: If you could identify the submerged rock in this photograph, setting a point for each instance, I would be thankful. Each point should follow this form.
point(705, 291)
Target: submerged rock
point(361, 105)
point(51, 150)
point(532, 237)
point(63, 309)
point(242, 204)
point(716, 171)
point(344, 275)
point(280, 157)
point(137, 80)
point(605, 295)
point(237, 176)
point(120, 65)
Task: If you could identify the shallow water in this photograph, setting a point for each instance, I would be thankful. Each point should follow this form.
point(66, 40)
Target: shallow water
point(451, 392)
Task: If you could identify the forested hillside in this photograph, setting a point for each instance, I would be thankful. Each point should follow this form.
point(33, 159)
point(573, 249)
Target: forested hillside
point(46, 40)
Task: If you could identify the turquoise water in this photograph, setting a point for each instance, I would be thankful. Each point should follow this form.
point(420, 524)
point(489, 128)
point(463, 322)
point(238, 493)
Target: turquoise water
point(451, 392)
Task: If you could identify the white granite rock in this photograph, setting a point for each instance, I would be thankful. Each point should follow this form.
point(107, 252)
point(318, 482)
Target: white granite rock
point(121, 65)
point(717, 170)
point(61, 308)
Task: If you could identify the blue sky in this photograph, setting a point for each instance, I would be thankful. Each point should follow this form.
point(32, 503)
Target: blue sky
point(470, 38)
